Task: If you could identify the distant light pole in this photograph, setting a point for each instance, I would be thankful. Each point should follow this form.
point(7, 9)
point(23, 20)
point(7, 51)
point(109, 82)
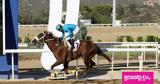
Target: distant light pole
point(114, 13)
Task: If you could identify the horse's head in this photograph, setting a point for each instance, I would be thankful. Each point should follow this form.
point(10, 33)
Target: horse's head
point(43, 37)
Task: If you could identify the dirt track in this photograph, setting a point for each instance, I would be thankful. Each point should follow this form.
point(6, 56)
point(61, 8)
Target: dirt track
point(67, 82)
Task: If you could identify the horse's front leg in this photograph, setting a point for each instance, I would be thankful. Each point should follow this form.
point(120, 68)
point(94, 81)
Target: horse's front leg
point(65, 64)
point(65, 69)
point(86, 62)
point(56, 64)
point(53, 74)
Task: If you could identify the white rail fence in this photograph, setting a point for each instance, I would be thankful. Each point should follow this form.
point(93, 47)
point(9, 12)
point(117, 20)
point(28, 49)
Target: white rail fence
point(126, 24)
point(143, 48)
point(122, 24)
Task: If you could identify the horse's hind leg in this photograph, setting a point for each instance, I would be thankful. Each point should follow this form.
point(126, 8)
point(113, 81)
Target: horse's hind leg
point(84, 72)
point(86, 62)
point(92, 63)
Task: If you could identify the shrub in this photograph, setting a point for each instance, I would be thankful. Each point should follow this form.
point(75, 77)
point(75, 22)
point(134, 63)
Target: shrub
point(88, 38)
point(120, 39)
point(150, 38)
point(99, 40)
point(27, 39)
point(139, 39)
point(158, 40)
point(129, 39)
point(19, 39)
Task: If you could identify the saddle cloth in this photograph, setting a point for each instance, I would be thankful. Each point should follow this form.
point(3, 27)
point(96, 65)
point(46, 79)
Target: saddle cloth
point(76, 45)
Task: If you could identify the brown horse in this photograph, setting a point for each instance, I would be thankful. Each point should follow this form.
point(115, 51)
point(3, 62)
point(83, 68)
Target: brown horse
point(86, 50)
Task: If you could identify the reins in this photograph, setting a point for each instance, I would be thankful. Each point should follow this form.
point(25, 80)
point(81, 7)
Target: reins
point(48, 40)
point(42, 38)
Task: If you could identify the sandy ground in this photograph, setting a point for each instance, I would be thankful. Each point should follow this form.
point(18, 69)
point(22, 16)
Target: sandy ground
point(108, 34)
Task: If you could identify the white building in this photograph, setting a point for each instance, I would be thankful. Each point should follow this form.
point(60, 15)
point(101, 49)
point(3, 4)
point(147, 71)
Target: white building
point(151, 2)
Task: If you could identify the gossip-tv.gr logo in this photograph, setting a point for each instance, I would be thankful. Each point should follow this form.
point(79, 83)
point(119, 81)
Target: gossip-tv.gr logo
point(137, 78)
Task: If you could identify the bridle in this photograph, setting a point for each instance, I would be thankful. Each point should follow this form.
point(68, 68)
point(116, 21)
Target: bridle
point(42, 38)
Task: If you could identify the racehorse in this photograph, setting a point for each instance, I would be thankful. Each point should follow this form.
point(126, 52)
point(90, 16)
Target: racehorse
point(86, 50)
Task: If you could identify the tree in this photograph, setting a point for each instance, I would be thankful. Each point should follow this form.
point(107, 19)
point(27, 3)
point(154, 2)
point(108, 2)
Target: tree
point(94, 16)
point(132, 9)
point(131, 14)
point(100, 13)
point(85, 11)
point(103, 9)
point(120, 11)
point(145, 18)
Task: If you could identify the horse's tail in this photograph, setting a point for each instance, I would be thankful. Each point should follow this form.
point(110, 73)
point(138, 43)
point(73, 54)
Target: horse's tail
point(99, 52)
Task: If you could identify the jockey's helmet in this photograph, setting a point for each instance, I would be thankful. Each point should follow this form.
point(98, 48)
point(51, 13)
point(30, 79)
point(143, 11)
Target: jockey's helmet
point(59, 27)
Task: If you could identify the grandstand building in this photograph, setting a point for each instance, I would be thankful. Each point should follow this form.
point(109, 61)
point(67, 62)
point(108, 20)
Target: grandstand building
point(151, 2)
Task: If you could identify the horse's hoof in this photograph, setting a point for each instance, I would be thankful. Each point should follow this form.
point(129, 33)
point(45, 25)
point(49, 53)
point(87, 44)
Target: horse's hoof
point(84, 75)
point(53, 75)
point(91, 67)
point(77, 74)
point(66, 72)
point(51, 67)
point(63, 70)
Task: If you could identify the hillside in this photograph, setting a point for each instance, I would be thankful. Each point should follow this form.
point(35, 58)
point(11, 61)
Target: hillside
point(121, 2)
point(34, 7)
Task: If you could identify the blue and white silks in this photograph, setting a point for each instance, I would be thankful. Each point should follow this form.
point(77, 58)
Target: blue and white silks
point(69, 31)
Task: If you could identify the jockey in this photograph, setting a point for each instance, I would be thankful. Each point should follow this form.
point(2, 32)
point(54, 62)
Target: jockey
point(68, 32)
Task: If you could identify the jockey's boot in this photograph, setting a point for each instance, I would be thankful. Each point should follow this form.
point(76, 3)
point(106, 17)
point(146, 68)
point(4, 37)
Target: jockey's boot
point(71, 41)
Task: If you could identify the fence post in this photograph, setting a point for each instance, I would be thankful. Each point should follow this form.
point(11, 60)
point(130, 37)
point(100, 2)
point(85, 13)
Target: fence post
point(141, 61)
point(127, 57)
point(112, 73)
point(113, 60)
point(144, 52)
point(12, 56)
point(97, 60)
point(77, 70)
point(157, 57)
